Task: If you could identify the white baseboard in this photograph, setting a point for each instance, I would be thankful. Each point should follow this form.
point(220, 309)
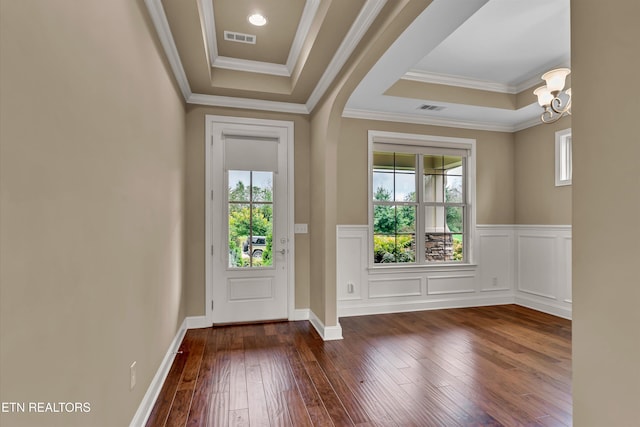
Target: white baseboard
point(300, 314)
point(327, 333)
point(146, 406)
point(197, 322)
point(533, 304)
point(401, 307)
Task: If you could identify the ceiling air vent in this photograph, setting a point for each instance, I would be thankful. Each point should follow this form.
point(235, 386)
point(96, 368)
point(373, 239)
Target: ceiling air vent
point(232, 36)
point(429, 107)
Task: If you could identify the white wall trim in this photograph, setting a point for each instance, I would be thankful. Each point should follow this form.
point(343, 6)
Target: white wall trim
point(159, 18)
point(365, 18)
point(434, 304)
point(197, 322)
point(354, 113)
point(153, 391)
point(209, 30)
point(299, 314)
point(544, 307)
point(327, 333)
point(251, 66)
point(246, 103)
point(470, 83)
point(501, 275)
point(539, 227)
point(464, 82)
point(386, 116)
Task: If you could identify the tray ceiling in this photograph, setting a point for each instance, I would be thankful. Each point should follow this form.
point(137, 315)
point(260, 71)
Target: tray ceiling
point(476, 60)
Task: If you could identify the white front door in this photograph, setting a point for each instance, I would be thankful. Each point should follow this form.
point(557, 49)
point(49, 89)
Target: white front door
point(250, 219)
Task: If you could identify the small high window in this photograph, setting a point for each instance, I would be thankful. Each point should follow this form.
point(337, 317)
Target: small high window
point(563, 157)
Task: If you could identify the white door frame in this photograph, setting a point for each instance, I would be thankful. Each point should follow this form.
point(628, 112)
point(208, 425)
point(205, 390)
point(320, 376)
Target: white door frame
point(209, 248)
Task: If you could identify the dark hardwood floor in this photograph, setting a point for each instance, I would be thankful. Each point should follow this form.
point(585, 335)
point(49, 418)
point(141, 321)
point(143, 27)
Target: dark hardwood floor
point(487, 366)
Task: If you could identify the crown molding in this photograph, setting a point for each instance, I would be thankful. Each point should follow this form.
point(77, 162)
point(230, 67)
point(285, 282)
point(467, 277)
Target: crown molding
point(360, 26)
point(436, 121)
point(207, 22)
point(209, 31)
point(246, 103)
point(529, 83)
point(159, 19)
point(421, 120)
point(251, 66)
point(308, 13)
point(527, 124)
point(365, 18)
point(448, 80)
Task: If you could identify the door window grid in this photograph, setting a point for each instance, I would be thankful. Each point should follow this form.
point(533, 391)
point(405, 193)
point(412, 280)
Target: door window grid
point(250, 219)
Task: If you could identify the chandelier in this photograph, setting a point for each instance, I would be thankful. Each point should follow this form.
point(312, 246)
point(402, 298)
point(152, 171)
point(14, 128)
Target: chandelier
point(551, 97)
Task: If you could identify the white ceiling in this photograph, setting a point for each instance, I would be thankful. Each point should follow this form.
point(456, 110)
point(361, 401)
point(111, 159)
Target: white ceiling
point(495, 45)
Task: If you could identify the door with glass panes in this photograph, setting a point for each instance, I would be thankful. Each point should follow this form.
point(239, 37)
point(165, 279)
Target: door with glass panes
point(250, 223)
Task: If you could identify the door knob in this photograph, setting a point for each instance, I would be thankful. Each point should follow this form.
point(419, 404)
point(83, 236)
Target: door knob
point(283, 251)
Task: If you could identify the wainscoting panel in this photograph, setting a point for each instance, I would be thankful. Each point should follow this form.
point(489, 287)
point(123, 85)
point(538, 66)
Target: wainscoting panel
point(395, 287)
point(536, 262)
point(495, 258)
point(451, 284)
point(351, 263)
point(543, 264)
point(566, 263)
point(527, 265)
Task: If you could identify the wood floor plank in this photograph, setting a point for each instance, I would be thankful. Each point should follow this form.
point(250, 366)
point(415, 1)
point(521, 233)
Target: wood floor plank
point(297, 410)
point(483, 366)
point(258, 413)
point(199, 411)
point(238, 397)
point(219, 412)
point(329, 398)
point(239, 418)
point(194, 359)
point(180, 408)
point(161, 408)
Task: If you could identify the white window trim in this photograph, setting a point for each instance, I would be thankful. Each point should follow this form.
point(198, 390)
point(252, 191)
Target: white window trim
point(561, 141)
point(420, 140)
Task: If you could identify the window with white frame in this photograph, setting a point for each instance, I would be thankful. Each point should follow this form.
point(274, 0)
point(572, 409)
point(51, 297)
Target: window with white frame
point(564, 158)
point(421, 199)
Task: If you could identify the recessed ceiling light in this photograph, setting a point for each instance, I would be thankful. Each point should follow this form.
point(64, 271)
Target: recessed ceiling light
point(257, 19)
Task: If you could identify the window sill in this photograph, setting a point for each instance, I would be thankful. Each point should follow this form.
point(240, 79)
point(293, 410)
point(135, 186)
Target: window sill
point(421, 268)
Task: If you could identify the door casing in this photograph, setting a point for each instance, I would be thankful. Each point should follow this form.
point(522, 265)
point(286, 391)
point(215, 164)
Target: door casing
point(219, 122)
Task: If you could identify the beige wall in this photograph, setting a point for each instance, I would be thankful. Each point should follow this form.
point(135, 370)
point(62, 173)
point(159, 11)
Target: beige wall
point(91, 208)
point(494, 169)
point(606, 208)
point(195, 201)
point(326, 125)
point(537, 199)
